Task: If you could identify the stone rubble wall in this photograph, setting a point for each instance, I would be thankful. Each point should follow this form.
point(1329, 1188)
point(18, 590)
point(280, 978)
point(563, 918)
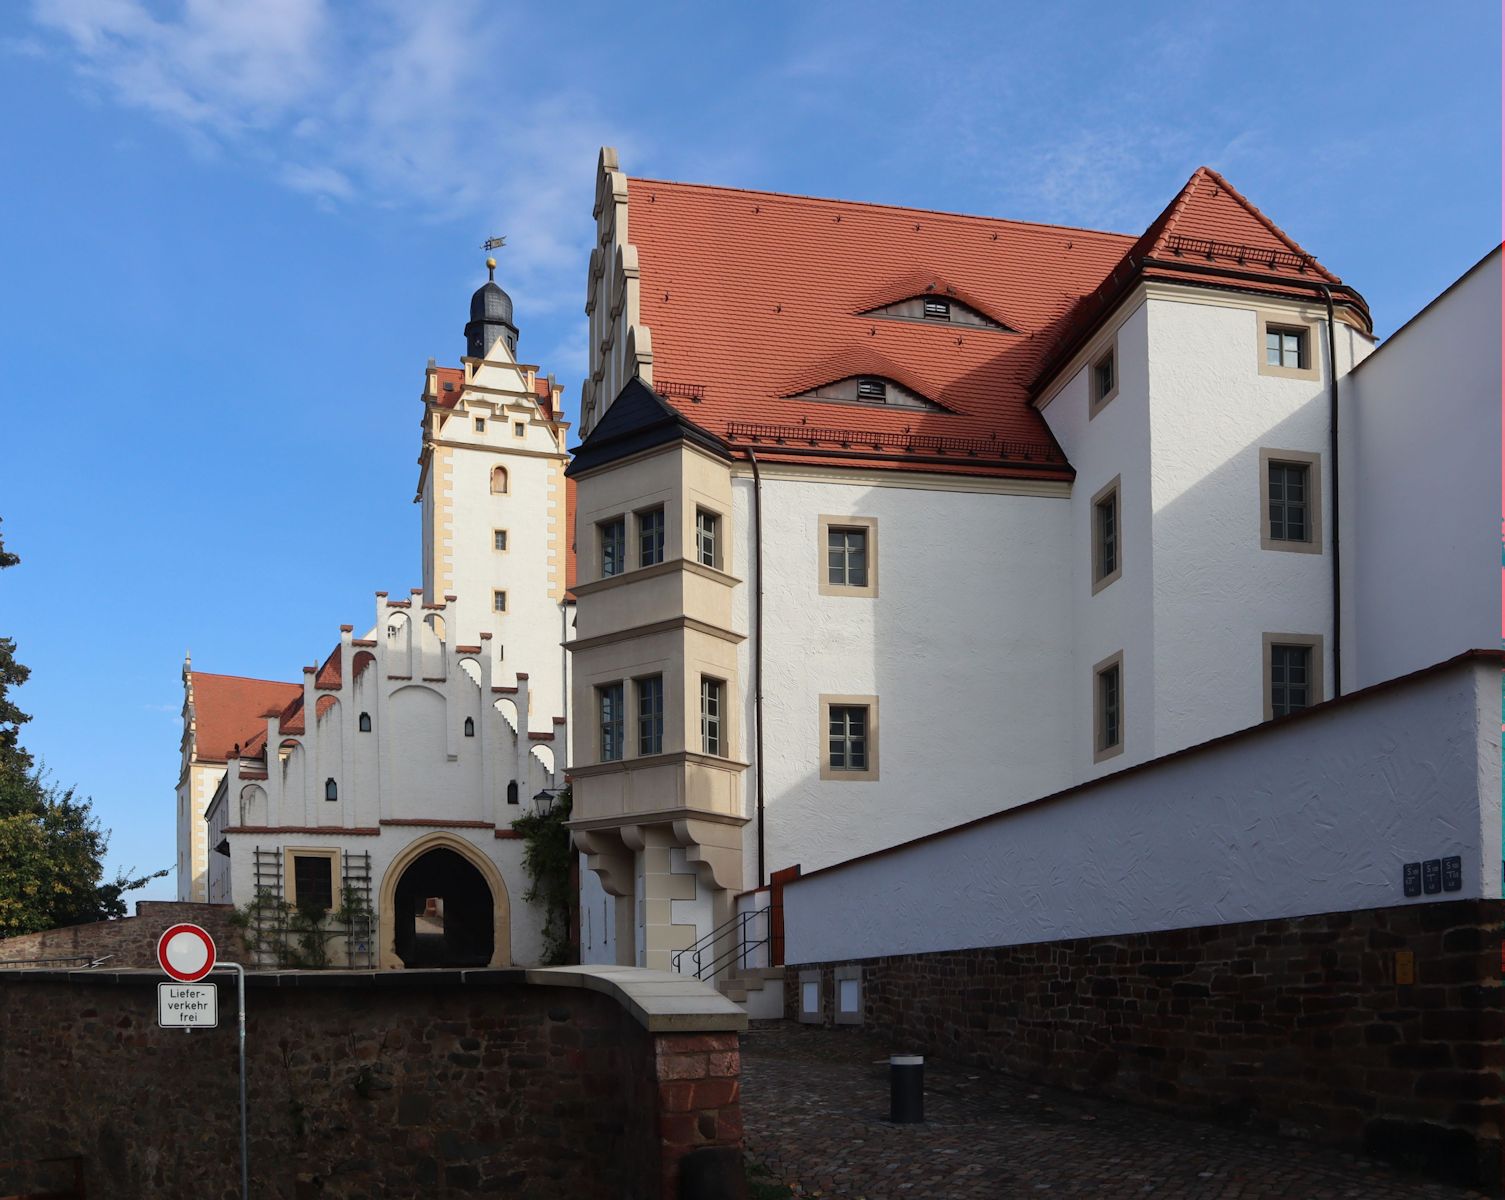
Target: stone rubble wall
point(129, 941)
point(441, 1083)
point(1297, 1026)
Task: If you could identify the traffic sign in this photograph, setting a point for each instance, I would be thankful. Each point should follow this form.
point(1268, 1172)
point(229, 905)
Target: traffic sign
point(186, 952)
point(187, 1005)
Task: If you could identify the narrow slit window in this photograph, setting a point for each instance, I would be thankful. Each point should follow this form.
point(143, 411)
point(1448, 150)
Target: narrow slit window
point(470, 727)
point(613, 547)
point(365, 723)
point(707, 537)
point(650, 537)
point(712, 731)
point(651, 715)
point(499, 539)
point(331, 790)
point(1104, 377)
point(480, 424)
point(1109, 705)
point(609, 699)
point(499, 602)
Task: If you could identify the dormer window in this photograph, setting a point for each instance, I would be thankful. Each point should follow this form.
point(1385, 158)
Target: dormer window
point(869, 389)
point(933, 306)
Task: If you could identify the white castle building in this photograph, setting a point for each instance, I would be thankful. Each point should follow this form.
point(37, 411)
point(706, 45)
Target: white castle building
point(888, 519)
point(396, 769)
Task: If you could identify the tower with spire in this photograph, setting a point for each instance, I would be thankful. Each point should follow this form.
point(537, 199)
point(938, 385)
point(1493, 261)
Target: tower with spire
point(496, 513)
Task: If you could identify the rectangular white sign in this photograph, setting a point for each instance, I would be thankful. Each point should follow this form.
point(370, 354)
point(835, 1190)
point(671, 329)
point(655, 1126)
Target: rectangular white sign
point(187, 1005)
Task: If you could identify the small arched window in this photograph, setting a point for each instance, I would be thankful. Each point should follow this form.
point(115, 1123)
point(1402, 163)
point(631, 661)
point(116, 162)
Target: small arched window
point(498, 481)
point(470, 727)
point(512, 792)
point(365, 722)
point(331, 790)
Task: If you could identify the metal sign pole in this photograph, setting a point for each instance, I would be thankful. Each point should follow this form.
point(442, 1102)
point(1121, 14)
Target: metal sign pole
point(240, 1005)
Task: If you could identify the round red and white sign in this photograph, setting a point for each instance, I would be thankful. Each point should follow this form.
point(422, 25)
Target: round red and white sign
point(186, 952)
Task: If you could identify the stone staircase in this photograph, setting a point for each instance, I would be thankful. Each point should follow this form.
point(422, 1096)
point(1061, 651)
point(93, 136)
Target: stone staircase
point(759, 990)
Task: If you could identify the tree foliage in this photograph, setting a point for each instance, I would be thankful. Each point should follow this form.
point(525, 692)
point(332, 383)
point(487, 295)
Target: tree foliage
point(51, 845)
point(548, 855)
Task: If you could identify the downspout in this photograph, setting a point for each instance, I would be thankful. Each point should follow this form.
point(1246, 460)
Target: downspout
point(1332, 453)
point(758, 653)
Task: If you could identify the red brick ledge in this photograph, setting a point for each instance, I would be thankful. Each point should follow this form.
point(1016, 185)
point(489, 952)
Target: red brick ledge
point(351, 830)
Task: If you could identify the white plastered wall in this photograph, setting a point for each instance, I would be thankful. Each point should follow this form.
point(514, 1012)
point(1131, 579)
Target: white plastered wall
point(1309, 816)
point(1216, 591)
point(1421, 475)
point(962, 647)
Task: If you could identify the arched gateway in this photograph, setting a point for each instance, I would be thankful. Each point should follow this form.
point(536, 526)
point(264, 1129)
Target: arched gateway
point(444, 904)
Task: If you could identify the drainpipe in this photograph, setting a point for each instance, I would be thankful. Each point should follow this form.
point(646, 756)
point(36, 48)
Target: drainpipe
point(1332, 453)
point(758, 652)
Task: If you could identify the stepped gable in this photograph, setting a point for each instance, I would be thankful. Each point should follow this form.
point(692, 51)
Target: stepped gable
point(746, 293)
point(230, 710)
point(1210, 235)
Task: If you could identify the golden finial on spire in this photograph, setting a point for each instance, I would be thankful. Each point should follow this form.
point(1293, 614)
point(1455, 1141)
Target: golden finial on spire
point(491, 269)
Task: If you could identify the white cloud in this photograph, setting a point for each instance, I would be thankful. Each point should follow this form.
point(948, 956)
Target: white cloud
point(423, 107)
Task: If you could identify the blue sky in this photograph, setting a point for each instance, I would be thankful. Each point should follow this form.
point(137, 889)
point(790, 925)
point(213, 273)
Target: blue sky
point(232, 234)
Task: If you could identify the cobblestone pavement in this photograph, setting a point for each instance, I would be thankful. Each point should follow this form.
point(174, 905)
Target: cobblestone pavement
point(815, 1105)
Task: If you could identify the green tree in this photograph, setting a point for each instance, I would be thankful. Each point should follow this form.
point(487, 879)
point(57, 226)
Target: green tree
point(51, 845)
point(548, 855)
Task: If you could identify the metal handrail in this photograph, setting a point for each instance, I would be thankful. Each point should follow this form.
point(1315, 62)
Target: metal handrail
point(739, 948)
point(87, 960)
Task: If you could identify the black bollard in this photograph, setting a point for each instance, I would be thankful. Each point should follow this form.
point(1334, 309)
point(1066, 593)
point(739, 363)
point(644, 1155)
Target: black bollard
point(906, 1089)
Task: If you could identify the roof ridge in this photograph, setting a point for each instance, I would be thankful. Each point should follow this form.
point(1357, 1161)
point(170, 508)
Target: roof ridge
point(905, 208)
point(247, 678)
point(1258, 214)
point(1172, 212)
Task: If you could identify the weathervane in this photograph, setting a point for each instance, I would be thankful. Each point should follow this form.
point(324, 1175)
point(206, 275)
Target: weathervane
point(492, 243)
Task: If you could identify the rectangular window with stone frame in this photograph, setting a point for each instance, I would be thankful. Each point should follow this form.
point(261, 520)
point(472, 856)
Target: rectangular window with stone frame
point(651, 537)
point(707, 538)
point(613, 536)
point(609, 700)
point(650, 700)
point(712, 716)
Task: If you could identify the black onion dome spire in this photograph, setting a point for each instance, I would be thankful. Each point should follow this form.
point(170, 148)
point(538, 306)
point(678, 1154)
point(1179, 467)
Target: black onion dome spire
point(490, 317)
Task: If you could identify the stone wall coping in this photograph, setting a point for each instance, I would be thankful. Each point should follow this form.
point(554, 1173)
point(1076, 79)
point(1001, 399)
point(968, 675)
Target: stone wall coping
point(660, 1001)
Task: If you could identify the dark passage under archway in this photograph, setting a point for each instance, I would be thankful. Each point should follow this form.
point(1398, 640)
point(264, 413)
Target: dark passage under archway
point(443, 913)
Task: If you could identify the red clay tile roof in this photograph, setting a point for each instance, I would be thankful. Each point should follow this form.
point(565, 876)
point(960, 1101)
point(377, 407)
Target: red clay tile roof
point(1210, 235)
point(228, 709)
point(451, 375)
point(752, 295)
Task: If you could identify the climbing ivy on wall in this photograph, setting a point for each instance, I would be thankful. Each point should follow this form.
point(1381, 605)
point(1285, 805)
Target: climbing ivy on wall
point(548, 855)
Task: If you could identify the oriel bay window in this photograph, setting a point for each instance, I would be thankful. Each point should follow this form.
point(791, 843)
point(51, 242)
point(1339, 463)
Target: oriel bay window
point(609, 700)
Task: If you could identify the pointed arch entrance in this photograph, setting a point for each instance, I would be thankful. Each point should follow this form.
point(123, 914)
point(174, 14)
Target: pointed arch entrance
point(444, 904)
